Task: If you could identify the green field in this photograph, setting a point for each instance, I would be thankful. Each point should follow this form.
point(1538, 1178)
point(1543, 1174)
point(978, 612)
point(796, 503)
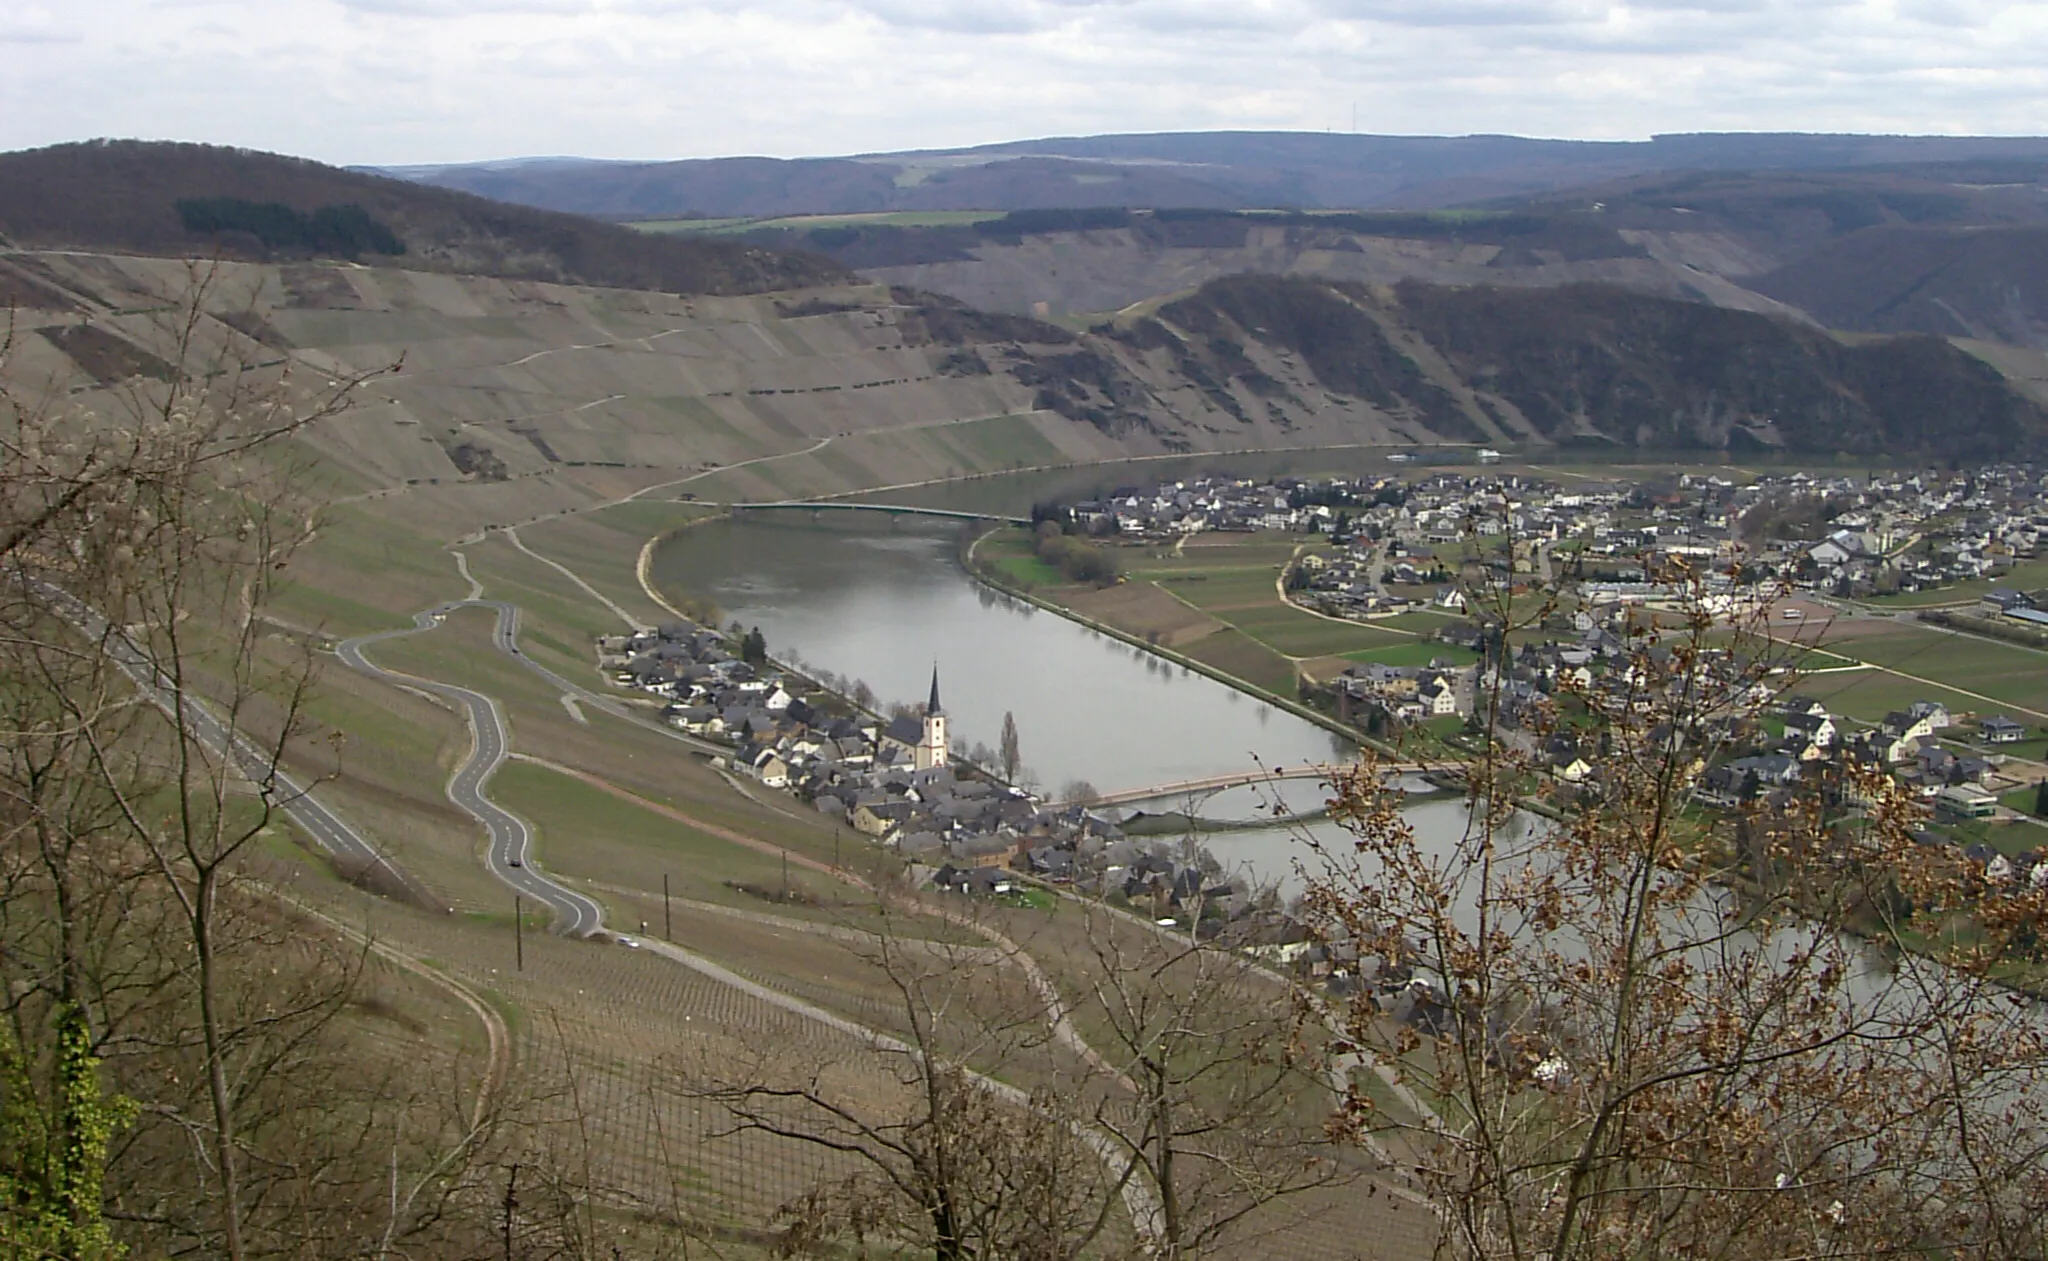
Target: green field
point(2009, 674)
point(2029, 576)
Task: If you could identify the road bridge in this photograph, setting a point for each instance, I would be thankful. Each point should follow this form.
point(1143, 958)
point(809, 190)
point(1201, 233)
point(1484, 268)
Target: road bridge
point(1217, 783)
point(894, 510)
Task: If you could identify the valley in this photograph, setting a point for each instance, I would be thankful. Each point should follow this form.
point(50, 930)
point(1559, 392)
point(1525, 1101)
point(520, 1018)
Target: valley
point(541, 439)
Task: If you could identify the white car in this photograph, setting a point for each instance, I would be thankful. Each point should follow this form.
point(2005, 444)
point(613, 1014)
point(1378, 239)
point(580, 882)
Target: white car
point(629, 943)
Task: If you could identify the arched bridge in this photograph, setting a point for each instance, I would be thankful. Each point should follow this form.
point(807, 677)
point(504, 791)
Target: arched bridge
point(1217, 783)
point(894, 510)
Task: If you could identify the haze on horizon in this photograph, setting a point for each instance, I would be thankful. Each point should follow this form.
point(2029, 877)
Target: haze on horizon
point(420, 81)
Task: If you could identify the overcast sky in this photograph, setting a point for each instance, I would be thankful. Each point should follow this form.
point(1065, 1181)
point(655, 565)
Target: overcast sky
point(454, 80)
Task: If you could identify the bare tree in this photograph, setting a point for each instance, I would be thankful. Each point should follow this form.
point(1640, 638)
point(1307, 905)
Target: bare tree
point(951, 1161)
point(1636, 1026)
point(172, 1046)
point(1229, 1084)
point(1079, 792)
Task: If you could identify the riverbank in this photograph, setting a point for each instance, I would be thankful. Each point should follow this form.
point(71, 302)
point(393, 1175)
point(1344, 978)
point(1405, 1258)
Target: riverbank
point(968, 563)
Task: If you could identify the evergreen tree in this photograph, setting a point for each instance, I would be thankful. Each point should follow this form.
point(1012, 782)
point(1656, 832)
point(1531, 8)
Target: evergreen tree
point(1012, 752)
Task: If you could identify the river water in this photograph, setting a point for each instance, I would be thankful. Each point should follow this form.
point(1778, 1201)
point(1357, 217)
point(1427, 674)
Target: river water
point(885, 603)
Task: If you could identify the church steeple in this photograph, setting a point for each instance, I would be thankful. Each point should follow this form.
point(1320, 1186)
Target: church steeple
point(932, 748)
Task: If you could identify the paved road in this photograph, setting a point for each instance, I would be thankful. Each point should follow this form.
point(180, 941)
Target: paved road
point(509, 853)
point(327, 828)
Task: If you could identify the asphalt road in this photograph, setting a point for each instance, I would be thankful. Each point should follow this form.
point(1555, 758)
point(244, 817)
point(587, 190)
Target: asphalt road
point(509, 855)
point(327, 828)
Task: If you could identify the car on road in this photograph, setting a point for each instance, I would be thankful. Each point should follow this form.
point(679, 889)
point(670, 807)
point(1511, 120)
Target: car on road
point(629, 943)
point(515, 862)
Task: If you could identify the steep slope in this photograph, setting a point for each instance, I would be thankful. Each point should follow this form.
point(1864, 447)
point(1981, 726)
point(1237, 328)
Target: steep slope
point(1207, 169)
point(1987, 283)
point(1577, 364)
point(180, 200)
point(501, 401)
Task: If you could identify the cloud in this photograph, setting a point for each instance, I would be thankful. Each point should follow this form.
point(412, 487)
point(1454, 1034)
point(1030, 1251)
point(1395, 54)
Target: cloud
point(435, 80)
point(32, 24)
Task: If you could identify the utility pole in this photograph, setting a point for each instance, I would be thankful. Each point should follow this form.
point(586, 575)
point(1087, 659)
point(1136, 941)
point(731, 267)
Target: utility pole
point(668, 924)
point(518, 934)
point(511, 1205)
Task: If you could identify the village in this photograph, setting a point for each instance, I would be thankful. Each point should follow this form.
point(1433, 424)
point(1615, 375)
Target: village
point(1392, 547)
point(897, 781)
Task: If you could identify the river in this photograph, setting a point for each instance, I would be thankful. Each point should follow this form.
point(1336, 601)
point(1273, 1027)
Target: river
point(886, 603)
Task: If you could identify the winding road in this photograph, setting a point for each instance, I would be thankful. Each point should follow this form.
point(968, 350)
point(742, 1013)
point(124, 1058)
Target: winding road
point(511, 841)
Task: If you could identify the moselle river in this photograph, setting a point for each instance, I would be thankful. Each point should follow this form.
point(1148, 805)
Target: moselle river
point(886, 603)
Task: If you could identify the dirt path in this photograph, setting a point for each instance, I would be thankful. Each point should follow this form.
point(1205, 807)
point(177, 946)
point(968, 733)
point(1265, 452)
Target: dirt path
point(512, 533)
point(497, 1039)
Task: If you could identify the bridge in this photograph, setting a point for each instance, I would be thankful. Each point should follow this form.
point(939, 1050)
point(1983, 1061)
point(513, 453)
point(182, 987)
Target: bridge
point(894, 510)
point(1217, 783)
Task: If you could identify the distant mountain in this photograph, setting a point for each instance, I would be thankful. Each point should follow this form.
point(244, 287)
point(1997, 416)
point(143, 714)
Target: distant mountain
point(182, 199)
point(1191, 169)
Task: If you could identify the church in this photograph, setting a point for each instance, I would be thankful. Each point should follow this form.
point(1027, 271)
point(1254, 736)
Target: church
point(922, 738)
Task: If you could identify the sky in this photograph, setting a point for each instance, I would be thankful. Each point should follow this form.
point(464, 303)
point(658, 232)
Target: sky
point(416, 81)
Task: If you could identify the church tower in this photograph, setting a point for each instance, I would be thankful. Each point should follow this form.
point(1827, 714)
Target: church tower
point(931, 746)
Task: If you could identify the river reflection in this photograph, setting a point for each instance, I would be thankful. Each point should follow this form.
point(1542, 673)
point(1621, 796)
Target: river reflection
point(884, 603)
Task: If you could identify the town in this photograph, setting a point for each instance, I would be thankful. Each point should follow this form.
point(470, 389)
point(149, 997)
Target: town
point(1955, 552)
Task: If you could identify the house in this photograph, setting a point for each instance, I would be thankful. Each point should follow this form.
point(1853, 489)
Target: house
point(1998, 729)
point(1818, 729)
point(1450, 598)
point(1957, 803)
point(1829, 554)
point(769, 767)
point(1934, 712)
point(881, 818)
point(1772, 770)
point(1901, 724)
point(1441, 700)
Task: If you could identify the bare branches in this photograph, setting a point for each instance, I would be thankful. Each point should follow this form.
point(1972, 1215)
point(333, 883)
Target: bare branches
point(1644, 1027)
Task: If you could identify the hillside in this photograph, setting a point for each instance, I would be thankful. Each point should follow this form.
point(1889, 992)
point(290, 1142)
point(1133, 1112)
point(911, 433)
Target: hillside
point(1577, 364)
point(133, 197)
point(515, 400)
point(1986, 283)
point(1192, 169)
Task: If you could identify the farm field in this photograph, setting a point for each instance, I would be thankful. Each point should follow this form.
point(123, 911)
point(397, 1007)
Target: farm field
point(2000, 675)
point(1215, 598)
point(2027, 576)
